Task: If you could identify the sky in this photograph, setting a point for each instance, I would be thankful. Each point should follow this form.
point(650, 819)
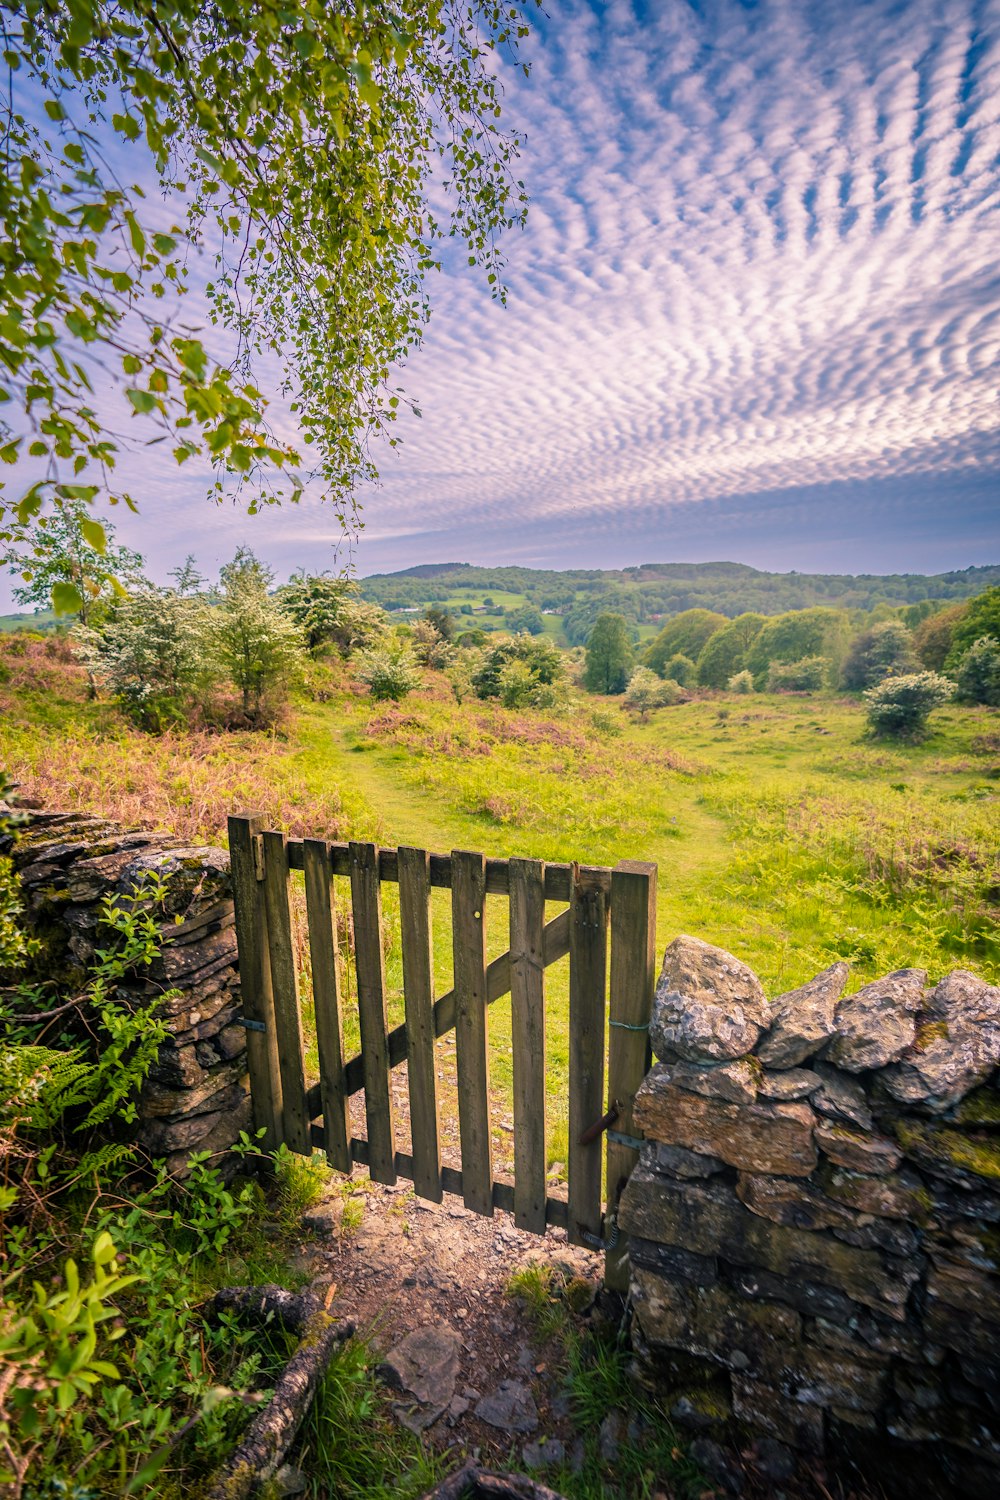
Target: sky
point(755, 314)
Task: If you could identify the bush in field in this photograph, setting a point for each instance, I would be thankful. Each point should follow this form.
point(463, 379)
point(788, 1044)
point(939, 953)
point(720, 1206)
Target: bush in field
point(155, 654)
point(977, 676)
point(330, 611)
point(430, 648)
point(934, 636)
point(389, 671)
point(520, 688)
point(609, 655)
point(741, 682)
point(260, 647)
point(899, 707)
point(542, 659)
point(680, 669)
point(981, 617)
point(646, 691)
point(883, 650)
point(809, 675)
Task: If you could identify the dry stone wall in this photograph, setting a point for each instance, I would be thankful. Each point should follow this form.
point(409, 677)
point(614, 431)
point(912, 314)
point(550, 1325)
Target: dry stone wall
point(814, 1225)
point(196, 1096)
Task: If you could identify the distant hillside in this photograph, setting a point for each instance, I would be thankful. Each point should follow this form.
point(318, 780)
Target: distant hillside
point(654, 591)
point(43, 620)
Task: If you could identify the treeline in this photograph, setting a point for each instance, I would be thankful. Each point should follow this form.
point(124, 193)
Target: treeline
point(665, 589)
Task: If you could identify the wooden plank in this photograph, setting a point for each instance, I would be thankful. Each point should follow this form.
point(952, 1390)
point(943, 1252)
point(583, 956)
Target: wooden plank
point(587, 980)
point(555, 947)
point(285, 986)
point(370, 967)
point(558, 877)
point(326, 1002)
point(633, 977)
point(527, 990)
point(418, 992)
point(468, 900)
point(257, 1000)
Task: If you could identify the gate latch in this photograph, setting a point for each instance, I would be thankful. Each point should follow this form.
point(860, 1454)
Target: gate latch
point(595, 1131)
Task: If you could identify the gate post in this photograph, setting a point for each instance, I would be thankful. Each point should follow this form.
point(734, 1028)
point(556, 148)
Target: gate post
point(633, 977)
point(246, 866)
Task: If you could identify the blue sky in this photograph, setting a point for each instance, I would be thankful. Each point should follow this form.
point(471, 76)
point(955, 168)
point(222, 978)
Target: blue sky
point(754, 315)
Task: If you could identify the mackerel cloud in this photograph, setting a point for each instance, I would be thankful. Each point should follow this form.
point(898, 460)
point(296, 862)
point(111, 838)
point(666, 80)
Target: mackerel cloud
point(762, 256)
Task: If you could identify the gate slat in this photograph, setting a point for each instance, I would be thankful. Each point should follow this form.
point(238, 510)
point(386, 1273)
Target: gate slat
point(468, 897)
point(284, 982)
point(418, 992)
point(633, 977)
point(326, 1002)
point(257, 999)
point(587, 979)
point(527, 991)
point(370, 964)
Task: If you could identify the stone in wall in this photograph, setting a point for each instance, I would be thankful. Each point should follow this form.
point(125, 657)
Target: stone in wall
point(195, 1098)
point(814, 1224)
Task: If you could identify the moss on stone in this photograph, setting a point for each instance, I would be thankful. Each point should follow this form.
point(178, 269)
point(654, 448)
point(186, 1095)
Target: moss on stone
point(982, 1107)
point(979, 1155)
point(932, 1031)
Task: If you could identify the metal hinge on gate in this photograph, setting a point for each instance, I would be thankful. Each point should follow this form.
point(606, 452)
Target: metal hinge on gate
point(633, 1142)
point(596, 1242)
point(250, 1025)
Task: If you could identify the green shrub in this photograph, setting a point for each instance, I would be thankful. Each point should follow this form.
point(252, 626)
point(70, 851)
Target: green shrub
point(541, 657)
point(741, 682)
point(680, 669)
point(646, 691)
point(977, 675)
point(899, 707)
point(809, 675)
point(389, 671)
point(884, 650)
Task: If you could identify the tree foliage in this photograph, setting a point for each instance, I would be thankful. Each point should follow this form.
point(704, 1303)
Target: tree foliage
point(260, 647)
point(686, 633)
point(154, 654)
point(800, 633)
point(884, 649)
point(977, 675)
point(308, 145)
point(981, 617)
point(646, 692)
point(609, 655)
point(330, 611)
point(810, 675)
point(389, 670)
point(724, 654)
point(538, 654)
point(934, 636)
point(69, 560)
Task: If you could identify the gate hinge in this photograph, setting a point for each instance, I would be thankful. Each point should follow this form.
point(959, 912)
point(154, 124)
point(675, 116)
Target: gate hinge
point(258, 856)
point(250, 1025)
point(620, 1139)
point(596, 1242)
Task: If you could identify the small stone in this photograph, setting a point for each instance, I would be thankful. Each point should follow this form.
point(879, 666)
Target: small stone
point(609, 1437)
point(708, 1007)
point(425, 1365)
point(325, 1219)
point(289, 1481)
point(956, 1048)
point(890, 1195)
point(716, 1465)
point(511, 1408)
point(688, 1165)
point(774, 1460)
point(842, 1097)
point(795, 1083)
point(801, 1021)
point(700, 1411)
point(733, 1081)
point(457, 1407)
point(544, 1453)
point(858, 1152)
point(876, 1025)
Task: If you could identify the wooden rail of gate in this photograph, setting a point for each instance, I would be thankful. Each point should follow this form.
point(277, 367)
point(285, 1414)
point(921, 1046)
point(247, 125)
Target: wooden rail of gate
point(306, 1117)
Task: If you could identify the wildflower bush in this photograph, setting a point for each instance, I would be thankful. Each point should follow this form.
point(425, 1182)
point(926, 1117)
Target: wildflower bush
point(899, 707)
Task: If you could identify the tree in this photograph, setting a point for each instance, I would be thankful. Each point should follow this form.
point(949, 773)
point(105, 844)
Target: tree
point(981, 617)
point(797, 634)
point(741, 682)
point(724, 654)
point(68, 560)
point(646, 691)
point(331, 612)
point(260, 647)
point(155, 654)
point(686, 633)
point(680, 669)
point(977, 675)
point(609, 655)
point(809, 675)
point(934, 636)
point(528, 619)
point(542, 659)
point(440, 621)
point(308, 145)
point(430, 648)
point(899, 707)
point(884, 649)
point(389, 671)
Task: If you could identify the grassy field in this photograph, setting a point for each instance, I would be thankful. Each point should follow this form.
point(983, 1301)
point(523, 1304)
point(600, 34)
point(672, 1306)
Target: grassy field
point(780, 831)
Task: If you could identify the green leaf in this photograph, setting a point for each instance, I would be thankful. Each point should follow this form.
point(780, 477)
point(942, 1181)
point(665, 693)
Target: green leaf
point(66, 598)
point(94, 534)
point(143, 401)
point(54, 109)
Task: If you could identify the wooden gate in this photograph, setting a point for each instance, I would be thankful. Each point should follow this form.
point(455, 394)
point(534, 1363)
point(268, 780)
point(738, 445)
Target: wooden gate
point(309, 1117)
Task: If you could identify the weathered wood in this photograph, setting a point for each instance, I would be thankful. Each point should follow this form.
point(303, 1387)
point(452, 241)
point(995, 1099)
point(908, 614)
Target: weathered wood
point(471, 1482)
point(555, 947)
point(291, 1311)
point(558, 877)
point(326, 1002)
point(527, 991)
point(256, 996)
point(370, 968)
point(451, 1180)
point(633, 977)
point(587, 980)
point(284, 983)
point(468, 900)
point(418, 992)
point(266, 1441)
